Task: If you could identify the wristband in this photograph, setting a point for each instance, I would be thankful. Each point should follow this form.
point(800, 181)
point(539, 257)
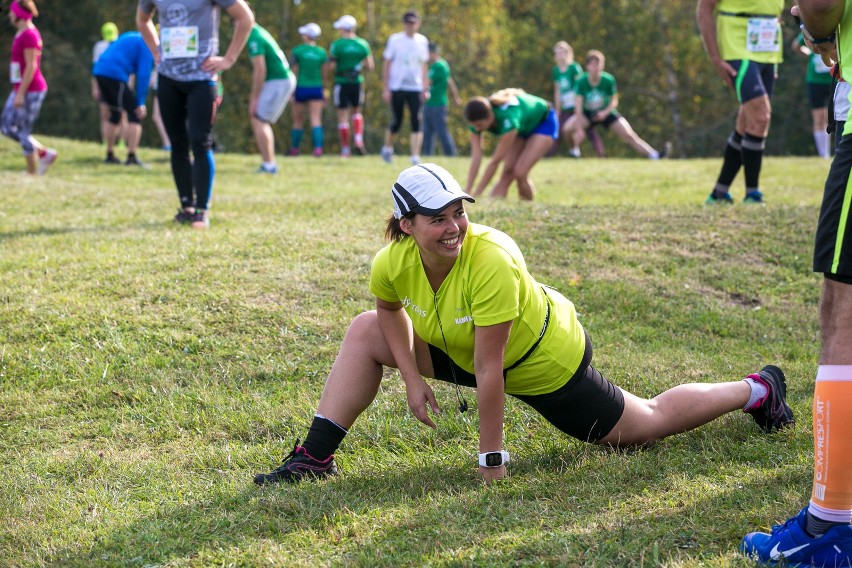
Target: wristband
point(816, 41)
point(493, 459)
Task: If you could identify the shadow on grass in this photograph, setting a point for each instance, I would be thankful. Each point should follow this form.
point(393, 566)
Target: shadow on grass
point(591, 512)
point(54, 231)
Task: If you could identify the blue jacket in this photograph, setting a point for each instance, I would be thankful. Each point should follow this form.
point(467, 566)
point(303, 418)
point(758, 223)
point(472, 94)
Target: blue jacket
point(126, 56)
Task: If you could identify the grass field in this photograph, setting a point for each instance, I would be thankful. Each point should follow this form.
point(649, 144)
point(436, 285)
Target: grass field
point(147, 371)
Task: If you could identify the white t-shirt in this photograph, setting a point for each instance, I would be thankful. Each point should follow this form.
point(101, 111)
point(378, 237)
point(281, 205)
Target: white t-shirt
point(408, 55)
point(841, 101)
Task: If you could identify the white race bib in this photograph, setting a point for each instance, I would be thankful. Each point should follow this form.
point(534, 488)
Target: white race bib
point(762, 35)
point(567, 99)
point(15, 72)
point(179, 42)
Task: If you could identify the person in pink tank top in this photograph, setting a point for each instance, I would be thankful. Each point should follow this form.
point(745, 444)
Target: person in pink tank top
point(28, 88)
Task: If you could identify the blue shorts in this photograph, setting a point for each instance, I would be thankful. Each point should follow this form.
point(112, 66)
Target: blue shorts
point(304, 94)
point(549, 126)
point(753, 79)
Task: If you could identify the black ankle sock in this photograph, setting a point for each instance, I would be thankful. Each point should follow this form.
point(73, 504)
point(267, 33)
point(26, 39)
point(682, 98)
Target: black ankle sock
point(817, 527)
point(323, 438)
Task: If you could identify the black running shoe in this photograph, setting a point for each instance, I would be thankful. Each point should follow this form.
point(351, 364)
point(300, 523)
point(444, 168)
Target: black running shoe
point(298, 465)
point(774, 413)
point(111, 159)
point(184, 217)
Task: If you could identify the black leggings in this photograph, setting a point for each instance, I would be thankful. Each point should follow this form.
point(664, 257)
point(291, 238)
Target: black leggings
point(586, 407)
point(188, 109)
point(399, 99)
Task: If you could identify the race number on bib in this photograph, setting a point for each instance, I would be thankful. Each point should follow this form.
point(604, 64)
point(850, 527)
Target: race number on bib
point(179, 42)
point(762, 35)
point(15, 72)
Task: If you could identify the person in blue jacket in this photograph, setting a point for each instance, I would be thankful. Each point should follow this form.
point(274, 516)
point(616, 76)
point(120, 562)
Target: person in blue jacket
point(126, 56)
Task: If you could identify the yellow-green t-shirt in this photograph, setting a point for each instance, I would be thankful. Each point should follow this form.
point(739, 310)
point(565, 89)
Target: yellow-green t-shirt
point(750, 29)
point(489, 284)
point(844, 49)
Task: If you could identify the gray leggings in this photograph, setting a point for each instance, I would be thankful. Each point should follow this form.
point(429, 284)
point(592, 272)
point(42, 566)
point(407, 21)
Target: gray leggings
point(17, 123)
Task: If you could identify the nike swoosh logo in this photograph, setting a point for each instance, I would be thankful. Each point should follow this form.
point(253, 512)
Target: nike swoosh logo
point(775, 554)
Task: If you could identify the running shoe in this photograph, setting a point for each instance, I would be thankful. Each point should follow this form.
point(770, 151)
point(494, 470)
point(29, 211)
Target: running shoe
point(360, 150)
point(574, 152)
point(387, 154)
point(45, 161)
point(200, 220)
point(111, 159)
point(317, 152)
point(723, 199)
point(293, 152)
point(754, 197)
point(297, 466)
point(668, 148)
point(264, 170)
point(773, 412)
point(184, 217)
point(790, 545)
point(415, 160)
point(134, 161)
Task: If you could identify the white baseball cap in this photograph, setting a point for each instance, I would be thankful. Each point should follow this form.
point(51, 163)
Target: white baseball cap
point(425, 189)
point(346, 22)
point(311, 30)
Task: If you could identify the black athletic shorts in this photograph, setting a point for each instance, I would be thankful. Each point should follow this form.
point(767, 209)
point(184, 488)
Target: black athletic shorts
point(819, 95)
point(118, 96)
point(833, 243)
point(586, 407)
point(349, 95)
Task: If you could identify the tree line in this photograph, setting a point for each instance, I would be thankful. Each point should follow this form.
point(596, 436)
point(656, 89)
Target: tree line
point(667, 87)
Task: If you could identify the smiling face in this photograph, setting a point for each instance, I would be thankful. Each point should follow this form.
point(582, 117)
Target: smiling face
point(438, 237)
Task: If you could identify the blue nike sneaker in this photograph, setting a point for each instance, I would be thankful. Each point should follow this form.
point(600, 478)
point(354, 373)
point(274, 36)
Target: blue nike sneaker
point(790, 545)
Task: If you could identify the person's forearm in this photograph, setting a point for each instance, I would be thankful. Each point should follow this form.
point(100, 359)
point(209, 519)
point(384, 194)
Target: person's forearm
point(821, 17)
point(707, 28)
point(490, 402)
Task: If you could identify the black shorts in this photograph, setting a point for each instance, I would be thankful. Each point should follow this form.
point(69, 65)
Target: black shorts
point(349, 95)
point(586, 407)
point(118, 96)
point(610, 118)
point(819, 95)
point(833, 243)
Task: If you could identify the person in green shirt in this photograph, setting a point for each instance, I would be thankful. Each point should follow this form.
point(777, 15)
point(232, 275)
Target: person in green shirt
point(435, 109)
point(742, 39)
point(455, 301)
point(526, 126)
point(272, 85)
point(350, 56)
point(310, 64)
point(565, 74)
point(818, 83)
point(596, 103)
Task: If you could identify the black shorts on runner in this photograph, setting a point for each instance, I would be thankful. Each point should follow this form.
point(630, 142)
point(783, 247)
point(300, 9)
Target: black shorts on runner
point(118, 96)
point(349, 95)
point(818, 95)
point(833, 243)
point(610, 118)
point(587, 407)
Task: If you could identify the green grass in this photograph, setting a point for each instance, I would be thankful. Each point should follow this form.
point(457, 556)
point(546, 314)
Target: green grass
point(148, 370)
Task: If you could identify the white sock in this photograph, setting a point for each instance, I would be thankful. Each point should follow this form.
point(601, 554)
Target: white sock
point(758, 393)
point(821, 140)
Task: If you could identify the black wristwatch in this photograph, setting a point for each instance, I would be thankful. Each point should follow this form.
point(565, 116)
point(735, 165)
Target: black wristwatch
point(493, 459)
point(816, 40)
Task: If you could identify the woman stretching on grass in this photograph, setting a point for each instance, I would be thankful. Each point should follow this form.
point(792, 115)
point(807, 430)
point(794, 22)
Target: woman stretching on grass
point(527, 128)
point(455, 302)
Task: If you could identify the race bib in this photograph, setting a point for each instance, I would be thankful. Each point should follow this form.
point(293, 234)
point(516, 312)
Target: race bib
point(762, 35)
point(179, 42)
point(567, 99)
point(15, 72)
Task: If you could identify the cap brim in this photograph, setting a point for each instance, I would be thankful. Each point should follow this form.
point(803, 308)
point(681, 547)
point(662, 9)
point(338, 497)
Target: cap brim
point(421, 210)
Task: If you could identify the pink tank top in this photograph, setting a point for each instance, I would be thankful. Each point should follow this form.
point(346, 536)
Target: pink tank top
point(27, 39)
